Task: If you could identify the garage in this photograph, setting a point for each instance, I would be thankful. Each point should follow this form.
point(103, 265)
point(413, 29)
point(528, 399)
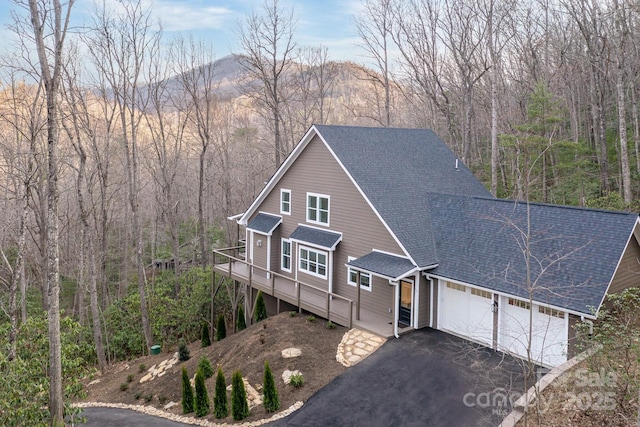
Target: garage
point(466, 311)
point(549, 332)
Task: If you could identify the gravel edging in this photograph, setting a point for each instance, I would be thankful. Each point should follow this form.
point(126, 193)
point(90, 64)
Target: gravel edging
point(150, 410)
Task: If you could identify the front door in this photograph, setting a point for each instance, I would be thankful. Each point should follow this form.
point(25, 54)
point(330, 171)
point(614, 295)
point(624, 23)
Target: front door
point(406, 299)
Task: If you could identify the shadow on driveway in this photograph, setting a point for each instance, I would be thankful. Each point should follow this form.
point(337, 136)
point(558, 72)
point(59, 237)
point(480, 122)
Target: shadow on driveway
point(424, 378)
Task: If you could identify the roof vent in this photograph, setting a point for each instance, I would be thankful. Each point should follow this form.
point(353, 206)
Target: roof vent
point(456, 164)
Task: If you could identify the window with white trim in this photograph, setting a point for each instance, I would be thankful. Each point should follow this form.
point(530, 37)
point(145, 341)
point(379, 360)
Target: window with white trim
point(519, 303)
point(285, 202)
point(318, 208)
point(285, 260)
point(481, 293)
point(352, 277)
point(456, 286)
point(312, 262)
point(551, 312)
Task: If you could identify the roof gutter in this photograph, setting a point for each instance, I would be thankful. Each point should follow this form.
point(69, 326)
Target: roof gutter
point(505, 294)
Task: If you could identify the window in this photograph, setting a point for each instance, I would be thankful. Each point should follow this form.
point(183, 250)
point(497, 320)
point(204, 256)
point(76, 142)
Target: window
point(551, 312)
point(285, 202)
point(519, 303)
point(318, 208)
point(457, 287)
point(480, 293)
point(313, 262)
point(286, 255)
point(352, 277)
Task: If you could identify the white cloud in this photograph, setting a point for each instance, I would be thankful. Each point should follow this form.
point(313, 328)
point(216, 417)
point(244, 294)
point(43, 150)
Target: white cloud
point(176, 15)
point(181, 15)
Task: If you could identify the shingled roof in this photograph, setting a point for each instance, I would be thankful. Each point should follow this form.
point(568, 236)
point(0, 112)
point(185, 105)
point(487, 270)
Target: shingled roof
point(397, 169)
point(574, 252)
point(449, 224)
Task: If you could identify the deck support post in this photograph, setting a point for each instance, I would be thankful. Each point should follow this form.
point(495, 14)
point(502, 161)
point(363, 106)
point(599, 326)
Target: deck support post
point(358, 294)
point(213, 296)
point(273, 284)
point(328, 302)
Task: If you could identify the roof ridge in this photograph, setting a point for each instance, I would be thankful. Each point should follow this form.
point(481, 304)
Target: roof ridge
point(524, 202)
point(373, 127)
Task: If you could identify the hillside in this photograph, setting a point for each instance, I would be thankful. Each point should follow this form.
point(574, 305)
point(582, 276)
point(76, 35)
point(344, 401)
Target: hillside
point(245, 351)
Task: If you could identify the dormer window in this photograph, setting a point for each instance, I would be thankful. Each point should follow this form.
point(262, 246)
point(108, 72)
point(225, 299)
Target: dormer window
point(318, 208)
point(285, 202)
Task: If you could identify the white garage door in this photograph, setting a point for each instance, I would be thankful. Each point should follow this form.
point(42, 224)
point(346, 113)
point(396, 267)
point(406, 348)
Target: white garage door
point(549, 332)
point(466, 311)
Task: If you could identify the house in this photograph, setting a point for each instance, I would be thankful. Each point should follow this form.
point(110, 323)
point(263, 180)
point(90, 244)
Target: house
point(387, 230)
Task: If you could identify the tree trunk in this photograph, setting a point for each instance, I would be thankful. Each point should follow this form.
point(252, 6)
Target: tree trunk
point(201, 227)
point(622, 130)
point(95, 308)
point(636, 127)
point(494, 133)
point(17, 277)
point(51, 79)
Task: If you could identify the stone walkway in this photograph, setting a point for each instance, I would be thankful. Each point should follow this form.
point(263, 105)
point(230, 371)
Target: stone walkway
point(356, 345)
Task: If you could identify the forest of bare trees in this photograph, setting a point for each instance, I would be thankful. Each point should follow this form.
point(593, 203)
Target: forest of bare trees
point(156, 142)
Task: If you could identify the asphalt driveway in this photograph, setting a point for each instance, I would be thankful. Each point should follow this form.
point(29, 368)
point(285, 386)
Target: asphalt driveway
point(425, 378)
point(113, 417)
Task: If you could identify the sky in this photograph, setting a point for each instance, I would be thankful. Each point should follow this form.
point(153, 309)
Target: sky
point(319, 22)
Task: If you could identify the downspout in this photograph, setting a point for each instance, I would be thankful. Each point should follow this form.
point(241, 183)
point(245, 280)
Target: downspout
point(395, 307)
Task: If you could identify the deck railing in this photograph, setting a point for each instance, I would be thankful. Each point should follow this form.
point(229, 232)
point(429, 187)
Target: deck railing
point(235, 255)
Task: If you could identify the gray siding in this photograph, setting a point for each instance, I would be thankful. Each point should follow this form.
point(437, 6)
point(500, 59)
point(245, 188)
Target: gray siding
point(317, 171)
point(424, 303)
point(260, 252)
point(275, 251)
point(629, 269)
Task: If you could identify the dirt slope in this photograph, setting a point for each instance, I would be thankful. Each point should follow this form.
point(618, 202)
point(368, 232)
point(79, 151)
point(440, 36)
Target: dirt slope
point(245, 351)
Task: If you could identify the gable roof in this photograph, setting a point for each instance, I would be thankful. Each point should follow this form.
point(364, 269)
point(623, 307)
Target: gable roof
point(384, 265)
point(321, 238)
point(396, 169)
point(574, 252)
point(265, 223)
point(447, 222)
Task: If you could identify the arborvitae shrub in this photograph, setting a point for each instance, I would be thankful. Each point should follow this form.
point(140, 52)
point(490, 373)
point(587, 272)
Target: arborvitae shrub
point(239, 405)
point(202, 397)
point(270, 392)
point(183, 352)
point(220, 406)
point(205, 338)
point(204, 366)
point(221, 330)
point(260, 312)
point(241, 324)
point(187, 393)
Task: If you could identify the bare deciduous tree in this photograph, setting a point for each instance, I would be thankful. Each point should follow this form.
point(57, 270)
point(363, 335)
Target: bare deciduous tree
point(196, 74)
point(50, 22)
point(268, 47)
point(120, 47)
point(77, 131)
point(374, 27)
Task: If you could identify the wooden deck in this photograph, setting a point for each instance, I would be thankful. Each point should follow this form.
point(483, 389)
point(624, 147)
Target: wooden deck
point(307, 297)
